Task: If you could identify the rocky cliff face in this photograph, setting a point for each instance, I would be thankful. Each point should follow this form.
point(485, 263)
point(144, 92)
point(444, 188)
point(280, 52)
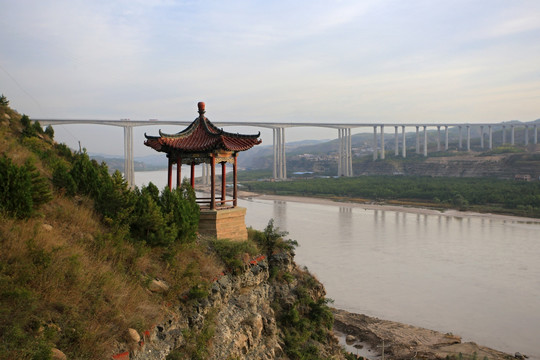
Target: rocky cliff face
point(238, 320)
point(499, 166)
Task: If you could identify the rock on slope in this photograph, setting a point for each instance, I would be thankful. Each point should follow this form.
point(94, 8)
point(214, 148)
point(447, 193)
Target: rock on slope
point(406, 341)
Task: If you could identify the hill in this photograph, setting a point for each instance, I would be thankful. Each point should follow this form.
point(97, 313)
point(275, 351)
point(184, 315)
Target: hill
point(90, 269)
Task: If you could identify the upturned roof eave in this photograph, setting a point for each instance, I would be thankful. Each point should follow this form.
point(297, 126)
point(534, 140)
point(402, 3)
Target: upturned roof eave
point(201, 136)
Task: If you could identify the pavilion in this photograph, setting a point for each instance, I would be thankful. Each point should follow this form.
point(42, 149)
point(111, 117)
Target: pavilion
point(204, 143)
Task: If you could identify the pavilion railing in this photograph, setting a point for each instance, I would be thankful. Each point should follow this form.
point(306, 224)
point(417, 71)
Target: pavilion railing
point(221, 204)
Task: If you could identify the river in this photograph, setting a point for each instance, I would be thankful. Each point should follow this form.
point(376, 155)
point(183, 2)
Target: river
point(474, 276)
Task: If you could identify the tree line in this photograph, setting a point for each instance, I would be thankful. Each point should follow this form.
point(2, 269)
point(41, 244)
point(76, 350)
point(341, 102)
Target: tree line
point(519, 197)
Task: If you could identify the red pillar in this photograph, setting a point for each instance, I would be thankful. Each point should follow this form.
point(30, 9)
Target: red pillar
point(235, 191)
point(169, 178)
point(178, 171)
point(193, 175)
point(213, 182)
point(223, 181)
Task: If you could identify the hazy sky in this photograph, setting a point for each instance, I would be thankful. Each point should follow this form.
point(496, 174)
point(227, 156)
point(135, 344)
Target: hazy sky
point(312, 61)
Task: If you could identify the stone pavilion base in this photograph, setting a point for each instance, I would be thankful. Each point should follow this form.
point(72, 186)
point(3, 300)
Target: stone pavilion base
point(224, 224)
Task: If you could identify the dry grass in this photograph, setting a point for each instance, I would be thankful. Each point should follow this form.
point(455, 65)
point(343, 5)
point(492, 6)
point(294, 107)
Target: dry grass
point(76, 289)
point(69, 281)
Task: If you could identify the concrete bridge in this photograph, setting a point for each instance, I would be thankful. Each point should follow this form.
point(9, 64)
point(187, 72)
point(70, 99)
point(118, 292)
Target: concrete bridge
point(344, 137)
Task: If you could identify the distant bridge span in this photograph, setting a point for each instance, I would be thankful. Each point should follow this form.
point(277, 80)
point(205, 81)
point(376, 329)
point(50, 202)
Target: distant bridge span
point(344, 136)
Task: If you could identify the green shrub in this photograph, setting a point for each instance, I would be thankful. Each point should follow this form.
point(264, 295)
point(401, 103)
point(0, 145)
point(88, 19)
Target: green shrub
point(147, 222)
point(197, 292)
point(231, 252)
point(179, 209)
point(4, 101)
point(158, 220)
point(63, 180)
point(64, 151)
point(22, 189)
point(272, 240)
point(49, 131)
point(30, 129)
point(40, 186)
point(15, 189)
point(504, 149)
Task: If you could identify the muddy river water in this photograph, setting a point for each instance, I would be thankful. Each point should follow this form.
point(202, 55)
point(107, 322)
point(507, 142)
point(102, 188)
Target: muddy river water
point(475, 276)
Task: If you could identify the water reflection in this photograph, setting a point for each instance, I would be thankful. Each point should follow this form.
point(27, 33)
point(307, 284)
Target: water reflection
point(280, 213)
point(345, 220)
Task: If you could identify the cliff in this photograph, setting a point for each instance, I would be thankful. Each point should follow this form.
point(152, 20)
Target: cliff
point(246, 316)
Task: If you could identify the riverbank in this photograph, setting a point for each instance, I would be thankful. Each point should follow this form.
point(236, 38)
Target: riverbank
point(366, 335)
point(361, 203)
point(483, 195)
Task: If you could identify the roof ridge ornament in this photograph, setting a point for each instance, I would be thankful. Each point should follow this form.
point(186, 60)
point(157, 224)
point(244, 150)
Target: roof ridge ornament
point(201, 105)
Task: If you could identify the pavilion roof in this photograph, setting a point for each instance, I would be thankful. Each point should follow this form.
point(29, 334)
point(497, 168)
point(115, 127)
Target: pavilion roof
point(201, 136)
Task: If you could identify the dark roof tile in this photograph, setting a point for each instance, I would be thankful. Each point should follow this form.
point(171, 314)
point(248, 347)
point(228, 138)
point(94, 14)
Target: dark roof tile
point(201, 135)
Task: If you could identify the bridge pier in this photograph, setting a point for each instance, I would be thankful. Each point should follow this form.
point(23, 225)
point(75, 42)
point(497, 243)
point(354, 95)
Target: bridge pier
point(349, 152)
point(535, 134)
point(460, 138)
point(490, 131)
point(345, 152)
point(446, 137)
point(203, 174)
point(340, 154)
point(526, 135)
point(438, 137)
point(206, 174)
point(468, 138)
point(417, 139)
point(404, 142)
point(375, 142)
point(280, 161)
point(129, 171)
point(512, 135)
point(396, 141)
point(482, 136)
point(382, 142)
point(425, 140)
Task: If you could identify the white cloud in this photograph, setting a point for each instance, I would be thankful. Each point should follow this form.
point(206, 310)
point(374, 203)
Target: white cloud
point(517, 25)
point(274, 61)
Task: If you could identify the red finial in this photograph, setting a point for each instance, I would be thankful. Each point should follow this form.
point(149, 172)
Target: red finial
point(201, 107)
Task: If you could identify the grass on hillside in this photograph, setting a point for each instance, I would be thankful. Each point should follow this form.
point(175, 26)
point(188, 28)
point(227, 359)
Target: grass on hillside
point(77, 287)
point(67, 278)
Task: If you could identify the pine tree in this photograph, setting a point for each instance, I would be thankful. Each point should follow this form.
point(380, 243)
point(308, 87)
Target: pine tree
point(41, 190)
point(4, 101)
point(15, 189)
point(49, 131)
